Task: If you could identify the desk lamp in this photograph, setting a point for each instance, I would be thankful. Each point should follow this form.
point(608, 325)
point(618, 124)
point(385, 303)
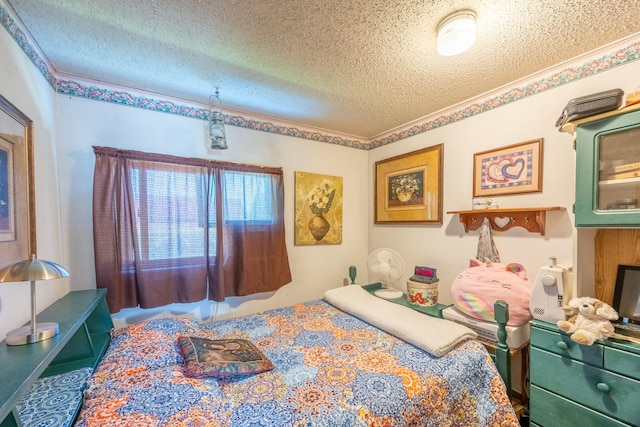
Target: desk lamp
point(31, 270)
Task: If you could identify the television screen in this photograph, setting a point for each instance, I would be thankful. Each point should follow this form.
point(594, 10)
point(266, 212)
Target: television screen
point(626, 299)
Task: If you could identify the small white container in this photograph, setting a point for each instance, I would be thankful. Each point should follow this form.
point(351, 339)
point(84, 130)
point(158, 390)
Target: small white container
point(422, 294)
point(479, 203)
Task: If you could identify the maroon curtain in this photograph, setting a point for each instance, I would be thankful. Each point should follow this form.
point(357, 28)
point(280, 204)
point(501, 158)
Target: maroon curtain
point(173, 229)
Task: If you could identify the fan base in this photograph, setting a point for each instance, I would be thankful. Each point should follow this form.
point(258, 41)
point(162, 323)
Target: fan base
point(388, 293)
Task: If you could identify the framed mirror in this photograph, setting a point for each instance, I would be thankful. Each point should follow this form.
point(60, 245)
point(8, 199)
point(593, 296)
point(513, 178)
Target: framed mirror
point(17, 193)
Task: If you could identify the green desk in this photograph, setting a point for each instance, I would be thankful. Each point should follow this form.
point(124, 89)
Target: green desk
point(85, 325)
point(433, 310)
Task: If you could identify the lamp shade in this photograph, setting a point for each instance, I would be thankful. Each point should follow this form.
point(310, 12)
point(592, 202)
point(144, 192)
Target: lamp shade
point(456, 33)
point(32, 269)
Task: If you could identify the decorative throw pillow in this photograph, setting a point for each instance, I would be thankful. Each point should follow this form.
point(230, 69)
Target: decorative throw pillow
point(221, 358)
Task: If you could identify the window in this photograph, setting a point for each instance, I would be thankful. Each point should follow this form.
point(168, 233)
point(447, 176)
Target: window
point(168, 214)
point(170, 229)
point(248, 198)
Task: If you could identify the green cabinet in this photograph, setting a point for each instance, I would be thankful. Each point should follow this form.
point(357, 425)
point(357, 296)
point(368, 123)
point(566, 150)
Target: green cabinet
point(573, 385)
point(608, 171)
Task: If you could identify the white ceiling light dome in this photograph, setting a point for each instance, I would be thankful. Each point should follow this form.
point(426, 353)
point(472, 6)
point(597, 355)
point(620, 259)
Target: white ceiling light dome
point(456, 33)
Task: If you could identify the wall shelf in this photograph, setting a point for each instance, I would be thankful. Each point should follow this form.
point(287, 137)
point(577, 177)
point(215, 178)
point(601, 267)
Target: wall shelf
point(532, 219)
point(571, 127)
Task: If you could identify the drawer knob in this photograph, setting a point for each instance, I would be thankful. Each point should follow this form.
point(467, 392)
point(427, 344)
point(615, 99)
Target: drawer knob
point(562, 345)
point(603, 387)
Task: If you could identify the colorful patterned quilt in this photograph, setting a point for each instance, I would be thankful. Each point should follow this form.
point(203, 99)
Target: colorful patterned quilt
point(331, 369)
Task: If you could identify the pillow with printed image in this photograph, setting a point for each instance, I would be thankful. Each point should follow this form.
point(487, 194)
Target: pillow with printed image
point(205, 357)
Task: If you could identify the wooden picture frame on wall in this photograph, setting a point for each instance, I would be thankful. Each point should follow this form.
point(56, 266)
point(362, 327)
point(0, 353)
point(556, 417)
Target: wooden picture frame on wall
point(408, 188)
point(17, 193)
point(514, 169)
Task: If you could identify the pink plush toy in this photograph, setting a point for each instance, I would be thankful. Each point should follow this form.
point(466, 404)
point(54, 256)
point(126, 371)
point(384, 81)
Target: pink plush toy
point(590, 319)
point(478, 287)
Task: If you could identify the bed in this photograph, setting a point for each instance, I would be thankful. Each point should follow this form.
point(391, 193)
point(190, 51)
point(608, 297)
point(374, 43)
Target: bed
point(332, 365)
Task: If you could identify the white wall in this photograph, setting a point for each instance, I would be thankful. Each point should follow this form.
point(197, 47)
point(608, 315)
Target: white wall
point(447, 247)
point(23, 85)
point(84, 123)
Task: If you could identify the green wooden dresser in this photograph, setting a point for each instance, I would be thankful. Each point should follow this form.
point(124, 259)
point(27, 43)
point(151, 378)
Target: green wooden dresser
point(585, 386)
point(85, 326)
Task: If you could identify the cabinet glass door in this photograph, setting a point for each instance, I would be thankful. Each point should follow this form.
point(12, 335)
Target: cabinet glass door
point(608, 172)
point(619, 171)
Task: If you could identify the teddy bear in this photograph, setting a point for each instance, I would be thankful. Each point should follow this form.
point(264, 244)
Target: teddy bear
point(589, 320)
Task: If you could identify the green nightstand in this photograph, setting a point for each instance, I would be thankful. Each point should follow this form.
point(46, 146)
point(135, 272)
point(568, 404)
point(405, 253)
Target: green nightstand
point(433, 310)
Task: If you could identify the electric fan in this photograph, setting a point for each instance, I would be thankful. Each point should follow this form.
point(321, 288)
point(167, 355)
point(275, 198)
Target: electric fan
point(387, 267)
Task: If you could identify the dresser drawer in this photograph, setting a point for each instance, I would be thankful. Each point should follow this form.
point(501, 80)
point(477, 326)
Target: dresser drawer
point(622, 362)
point(603, 391)
point(550, 410)
point(562, 344)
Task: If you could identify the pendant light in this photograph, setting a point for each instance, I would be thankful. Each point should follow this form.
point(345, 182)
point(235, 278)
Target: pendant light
point(216, 124)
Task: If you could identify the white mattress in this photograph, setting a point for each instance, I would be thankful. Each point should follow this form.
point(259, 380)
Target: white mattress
point(517, 336)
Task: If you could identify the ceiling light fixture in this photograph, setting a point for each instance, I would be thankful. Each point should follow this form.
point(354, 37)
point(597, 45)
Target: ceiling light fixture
point(216, 124)
point(456, 33)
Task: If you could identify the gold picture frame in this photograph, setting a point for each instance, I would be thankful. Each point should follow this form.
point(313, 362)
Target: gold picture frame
point(514, 169)
point(17, 194)
point(318, 209)
point(408, 187)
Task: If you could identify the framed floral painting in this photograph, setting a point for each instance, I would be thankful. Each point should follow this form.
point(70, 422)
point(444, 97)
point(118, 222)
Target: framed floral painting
point(408, 188)
point(318, 209)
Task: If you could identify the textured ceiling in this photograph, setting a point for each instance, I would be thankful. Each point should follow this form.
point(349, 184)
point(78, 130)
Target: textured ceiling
point(358, 67)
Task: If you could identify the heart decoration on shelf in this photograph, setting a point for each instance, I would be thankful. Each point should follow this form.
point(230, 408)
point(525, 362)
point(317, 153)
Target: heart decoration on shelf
point(502, 222)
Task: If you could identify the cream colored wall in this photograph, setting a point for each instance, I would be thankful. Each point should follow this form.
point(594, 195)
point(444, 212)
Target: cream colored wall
point(447, 247)
point(314, 269)
point(23, 85)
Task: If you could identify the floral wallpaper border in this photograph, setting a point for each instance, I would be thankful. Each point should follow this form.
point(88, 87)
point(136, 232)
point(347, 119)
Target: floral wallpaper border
point(614, 57)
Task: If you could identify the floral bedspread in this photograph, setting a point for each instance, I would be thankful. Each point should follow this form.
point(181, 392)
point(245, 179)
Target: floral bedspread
point(331, 369)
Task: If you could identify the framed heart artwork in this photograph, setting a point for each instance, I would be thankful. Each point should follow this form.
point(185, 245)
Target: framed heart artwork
point(513, 169)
